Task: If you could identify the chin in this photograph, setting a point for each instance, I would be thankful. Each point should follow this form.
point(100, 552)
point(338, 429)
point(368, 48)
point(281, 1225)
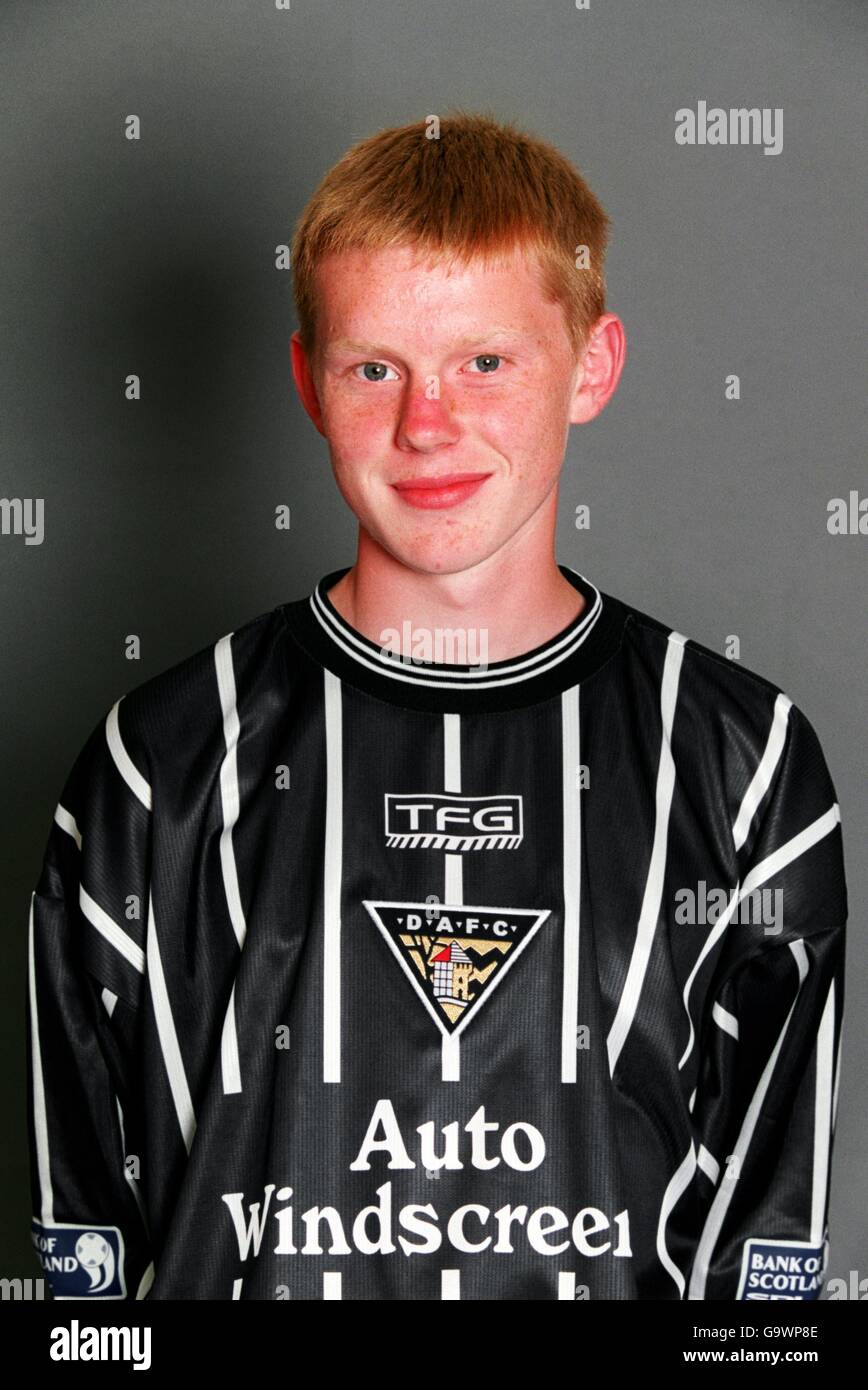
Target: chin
point(430, 556)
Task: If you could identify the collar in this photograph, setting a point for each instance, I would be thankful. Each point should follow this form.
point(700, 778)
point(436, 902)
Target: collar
point(540, 674)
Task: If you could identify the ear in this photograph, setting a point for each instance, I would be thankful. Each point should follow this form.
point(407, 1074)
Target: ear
point(303, 378)
point(599, 370)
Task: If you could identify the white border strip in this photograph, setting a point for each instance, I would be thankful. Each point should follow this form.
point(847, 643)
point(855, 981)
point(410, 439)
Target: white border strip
point(332, 876)
point(453, 887)
point(823, 1116)
point(230, 1061)
point(572, 878)
point(40, 1117)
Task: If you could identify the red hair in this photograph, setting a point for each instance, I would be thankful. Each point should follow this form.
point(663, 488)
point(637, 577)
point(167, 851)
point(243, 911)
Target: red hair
point(479, 188)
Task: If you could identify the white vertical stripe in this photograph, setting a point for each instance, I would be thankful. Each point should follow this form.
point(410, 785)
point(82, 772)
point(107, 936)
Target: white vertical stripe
point(122, 760)
point(708, 1163)
point(331, 1286)
point(765, 771)
point(766, 869)
point(452, 752)
point(837, 1076)
point(714, 935)
point(145, 1282)
point(66, 821)
point(230, 799)
point(237, 1285)
point(572, 878)
point(132, 1182)
point(450, 1286)
point(723, 1196)
point(453, 878)
point(109, 1001)
point(168, 1036)
point(109, 1004)
point(677, 1185)
point(453, 887)
point(229, 794)
point(332, 873)
point(230, 1062)
point(123, 1136)
point(650, 912)
point(450, 1057)
point(110, 930)
point(798, 845)
point(822, 1116)
point(566, 1286)
point(40, 1120)
point(725, 1020)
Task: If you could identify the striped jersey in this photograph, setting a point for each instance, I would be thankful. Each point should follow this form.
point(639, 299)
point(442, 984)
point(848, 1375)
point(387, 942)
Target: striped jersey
point(359, 974)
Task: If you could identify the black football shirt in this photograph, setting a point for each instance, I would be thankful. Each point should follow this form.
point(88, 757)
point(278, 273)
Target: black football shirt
point(364, 975)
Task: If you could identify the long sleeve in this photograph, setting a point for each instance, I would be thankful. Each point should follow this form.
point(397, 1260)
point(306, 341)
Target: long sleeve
point(766, 1100)
point(86, 968)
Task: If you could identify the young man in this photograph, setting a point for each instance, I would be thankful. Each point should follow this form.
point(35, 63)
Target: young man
point(361, 968)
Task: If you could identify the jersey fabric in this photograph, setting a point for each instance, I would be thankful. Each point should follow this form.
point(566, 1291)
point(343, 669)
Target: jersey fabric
point(367, 976)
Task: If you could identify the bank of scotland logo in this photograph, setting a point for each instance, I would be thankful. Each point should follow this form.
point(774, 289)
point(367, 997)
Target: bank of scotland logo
point(454, 955)
point(81, 1261)
point(776, 1270)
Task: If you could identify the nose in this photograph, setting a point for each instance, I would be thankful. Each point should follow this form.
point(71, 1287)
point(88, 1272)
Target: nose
point(427, 420)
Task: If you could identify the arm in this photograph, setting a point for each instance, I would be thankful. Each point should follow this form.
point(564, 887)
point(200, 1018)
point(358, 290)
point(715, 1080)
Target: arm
point(766, 1095)
point(768, 1123)
point(86, 967)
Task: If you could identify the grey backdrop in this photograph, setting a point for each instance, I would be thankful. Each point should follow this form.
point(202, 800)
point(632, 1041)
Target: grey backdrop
point(157, 257)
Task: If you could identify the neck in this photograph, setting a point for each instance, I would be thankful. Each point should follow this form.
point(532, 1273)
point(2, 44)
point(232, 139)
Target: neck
point(515, 600)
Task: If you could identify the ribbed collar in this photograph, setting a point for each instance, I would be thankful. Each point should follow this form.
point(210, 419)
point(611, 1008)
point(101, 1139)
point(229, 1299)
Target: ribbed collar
point(566, 659)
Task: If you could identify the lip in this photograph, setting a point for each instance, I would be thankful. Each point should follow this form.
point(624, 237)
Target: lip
point(448, 490)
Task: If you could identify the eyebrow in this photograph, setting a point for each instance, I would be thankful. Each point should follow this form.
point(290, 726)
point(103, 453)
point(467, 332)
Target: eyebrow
point(372, 349)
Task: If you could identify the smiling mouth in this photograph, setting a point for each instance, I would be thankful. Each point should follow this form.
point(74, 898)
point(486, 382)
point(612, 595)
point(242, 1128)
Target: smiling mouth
point(446, 491)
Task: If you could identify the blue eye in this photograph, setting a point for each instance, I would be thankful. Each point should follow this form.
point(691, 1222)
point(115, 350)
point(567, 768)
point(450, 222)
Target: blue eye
point(489, 360)
point(374, 371)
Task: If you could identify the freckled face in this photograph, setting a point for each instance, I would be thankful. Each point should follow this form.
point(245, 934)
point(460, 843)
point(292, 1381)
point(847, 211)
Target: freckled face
point(445, 397)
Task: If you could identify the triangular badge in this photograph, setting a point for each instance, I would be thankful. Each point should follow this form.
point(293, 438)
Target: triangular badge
point(454, 955)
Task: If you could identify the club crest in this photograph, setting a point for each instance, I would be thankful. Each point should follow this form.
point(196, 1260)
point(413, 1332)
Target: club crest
point(453, 956)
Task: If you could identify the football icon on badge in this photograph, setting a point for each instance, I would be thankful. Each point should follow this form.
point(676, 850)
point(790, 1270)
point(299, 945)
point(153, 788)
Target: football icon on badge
point(96, 1258)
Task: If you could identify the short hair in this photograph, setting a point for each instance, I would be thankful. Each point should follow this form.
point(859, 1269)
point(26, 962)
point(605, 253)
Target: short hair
point(482, 188)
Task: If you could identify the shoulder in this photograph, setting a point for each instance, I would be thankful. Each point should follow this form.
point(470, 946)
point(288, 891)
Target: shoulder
point(704, 684)
point(727, 722)
point(188, 708)
point(739, 745)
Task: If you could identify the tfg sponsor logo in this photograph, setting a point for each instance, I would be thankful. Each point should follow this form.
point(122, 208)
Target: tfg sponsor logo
point(425, 820)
